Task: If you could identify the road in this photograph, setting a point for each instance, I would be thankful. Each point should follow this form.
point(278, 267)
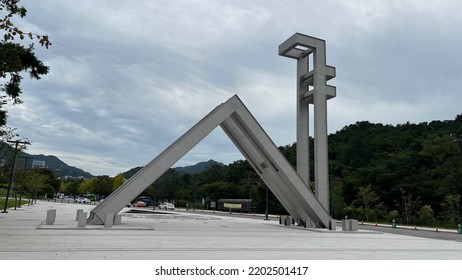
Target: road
point(442, 235)
point(403, 231)
point(418, 233)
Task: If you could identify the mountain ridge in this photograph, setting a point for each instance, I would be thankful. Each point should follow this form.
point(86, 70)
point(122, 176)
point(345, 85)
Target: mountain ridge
point(190, 169)
point(62, 170)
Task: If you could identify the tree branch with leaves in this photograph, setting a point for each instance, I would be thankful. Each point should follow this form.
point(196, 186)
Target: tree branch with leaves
point(16, 58)
point(367, 198)
point(408, 205)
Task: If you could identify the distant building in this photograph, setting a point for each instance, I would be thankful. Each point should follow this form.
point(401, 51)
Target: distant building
point(243, 205)
point(38, 164)
point(69, 178)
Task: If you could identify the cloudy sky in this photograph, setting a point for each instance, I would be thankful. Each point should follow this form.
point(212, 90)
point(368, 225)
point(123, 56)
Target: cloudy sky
point(127, 78)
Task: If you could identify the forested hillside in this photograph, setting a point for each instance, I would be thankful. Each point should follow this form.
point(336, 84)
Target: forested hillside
point(408, 172)
point(381, 168)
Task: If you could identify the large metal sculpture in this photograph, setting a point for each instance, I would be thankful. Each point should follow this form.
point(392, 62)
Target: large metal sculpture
point(256, 146)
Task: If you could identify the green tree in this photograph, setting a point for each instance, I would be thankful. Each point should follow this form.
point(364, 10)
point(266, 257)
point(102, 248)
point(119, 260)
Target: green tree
point(427, 216)
point(393, 215)
point(443, 161)
point(368, 199)
point(349, 211)
point(168, 184)
point(118, 181)
point(72, 187)
point(218, 190)
point(87, 186)
point(50, 179)
point(47, 182)
point(62, 187)
point(35, 181)
point(450, 207)
point(338, 201)
point(408, 205)
point(103, 185)
point(379, 212)
point(19, 185)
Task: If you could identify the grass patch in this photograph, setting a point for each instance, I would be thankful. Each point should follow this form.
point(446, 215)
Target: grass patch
point(10, 203)
point(10, 200)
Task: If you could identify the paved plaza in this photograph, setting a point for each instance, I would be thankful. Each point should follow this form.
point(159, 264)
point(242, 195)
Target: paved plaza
point(162, 235)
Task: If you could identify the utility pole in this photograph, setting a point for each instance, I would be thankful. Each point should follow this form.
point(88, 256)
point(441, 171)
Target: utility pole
point(13, 165)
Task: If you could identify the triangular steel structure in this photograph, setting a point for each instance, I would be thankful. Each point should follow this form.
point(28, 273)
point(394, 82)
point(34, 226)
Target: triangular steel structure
point(256, 146)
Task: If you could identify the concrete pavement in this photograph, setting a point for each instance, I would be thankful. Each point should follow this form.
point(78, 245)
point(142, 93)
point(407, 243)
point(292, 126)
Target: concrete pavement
point(176, 235)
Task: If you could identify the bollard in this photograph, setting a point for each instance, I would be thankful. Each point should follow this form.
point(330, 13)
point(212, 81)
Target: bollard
point(353, 225)
point(287, 221)
point(333, 225)
point(78, 214)
point(346, 225)
point(51, 216)
point(393, 223)
point(459, 230)
point(118, 219)
point(82, 219)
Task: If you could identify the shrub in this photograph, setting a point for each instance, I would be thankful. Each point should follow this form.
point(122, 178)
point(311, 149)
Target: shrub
point(426, 216)
point(393, 215)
